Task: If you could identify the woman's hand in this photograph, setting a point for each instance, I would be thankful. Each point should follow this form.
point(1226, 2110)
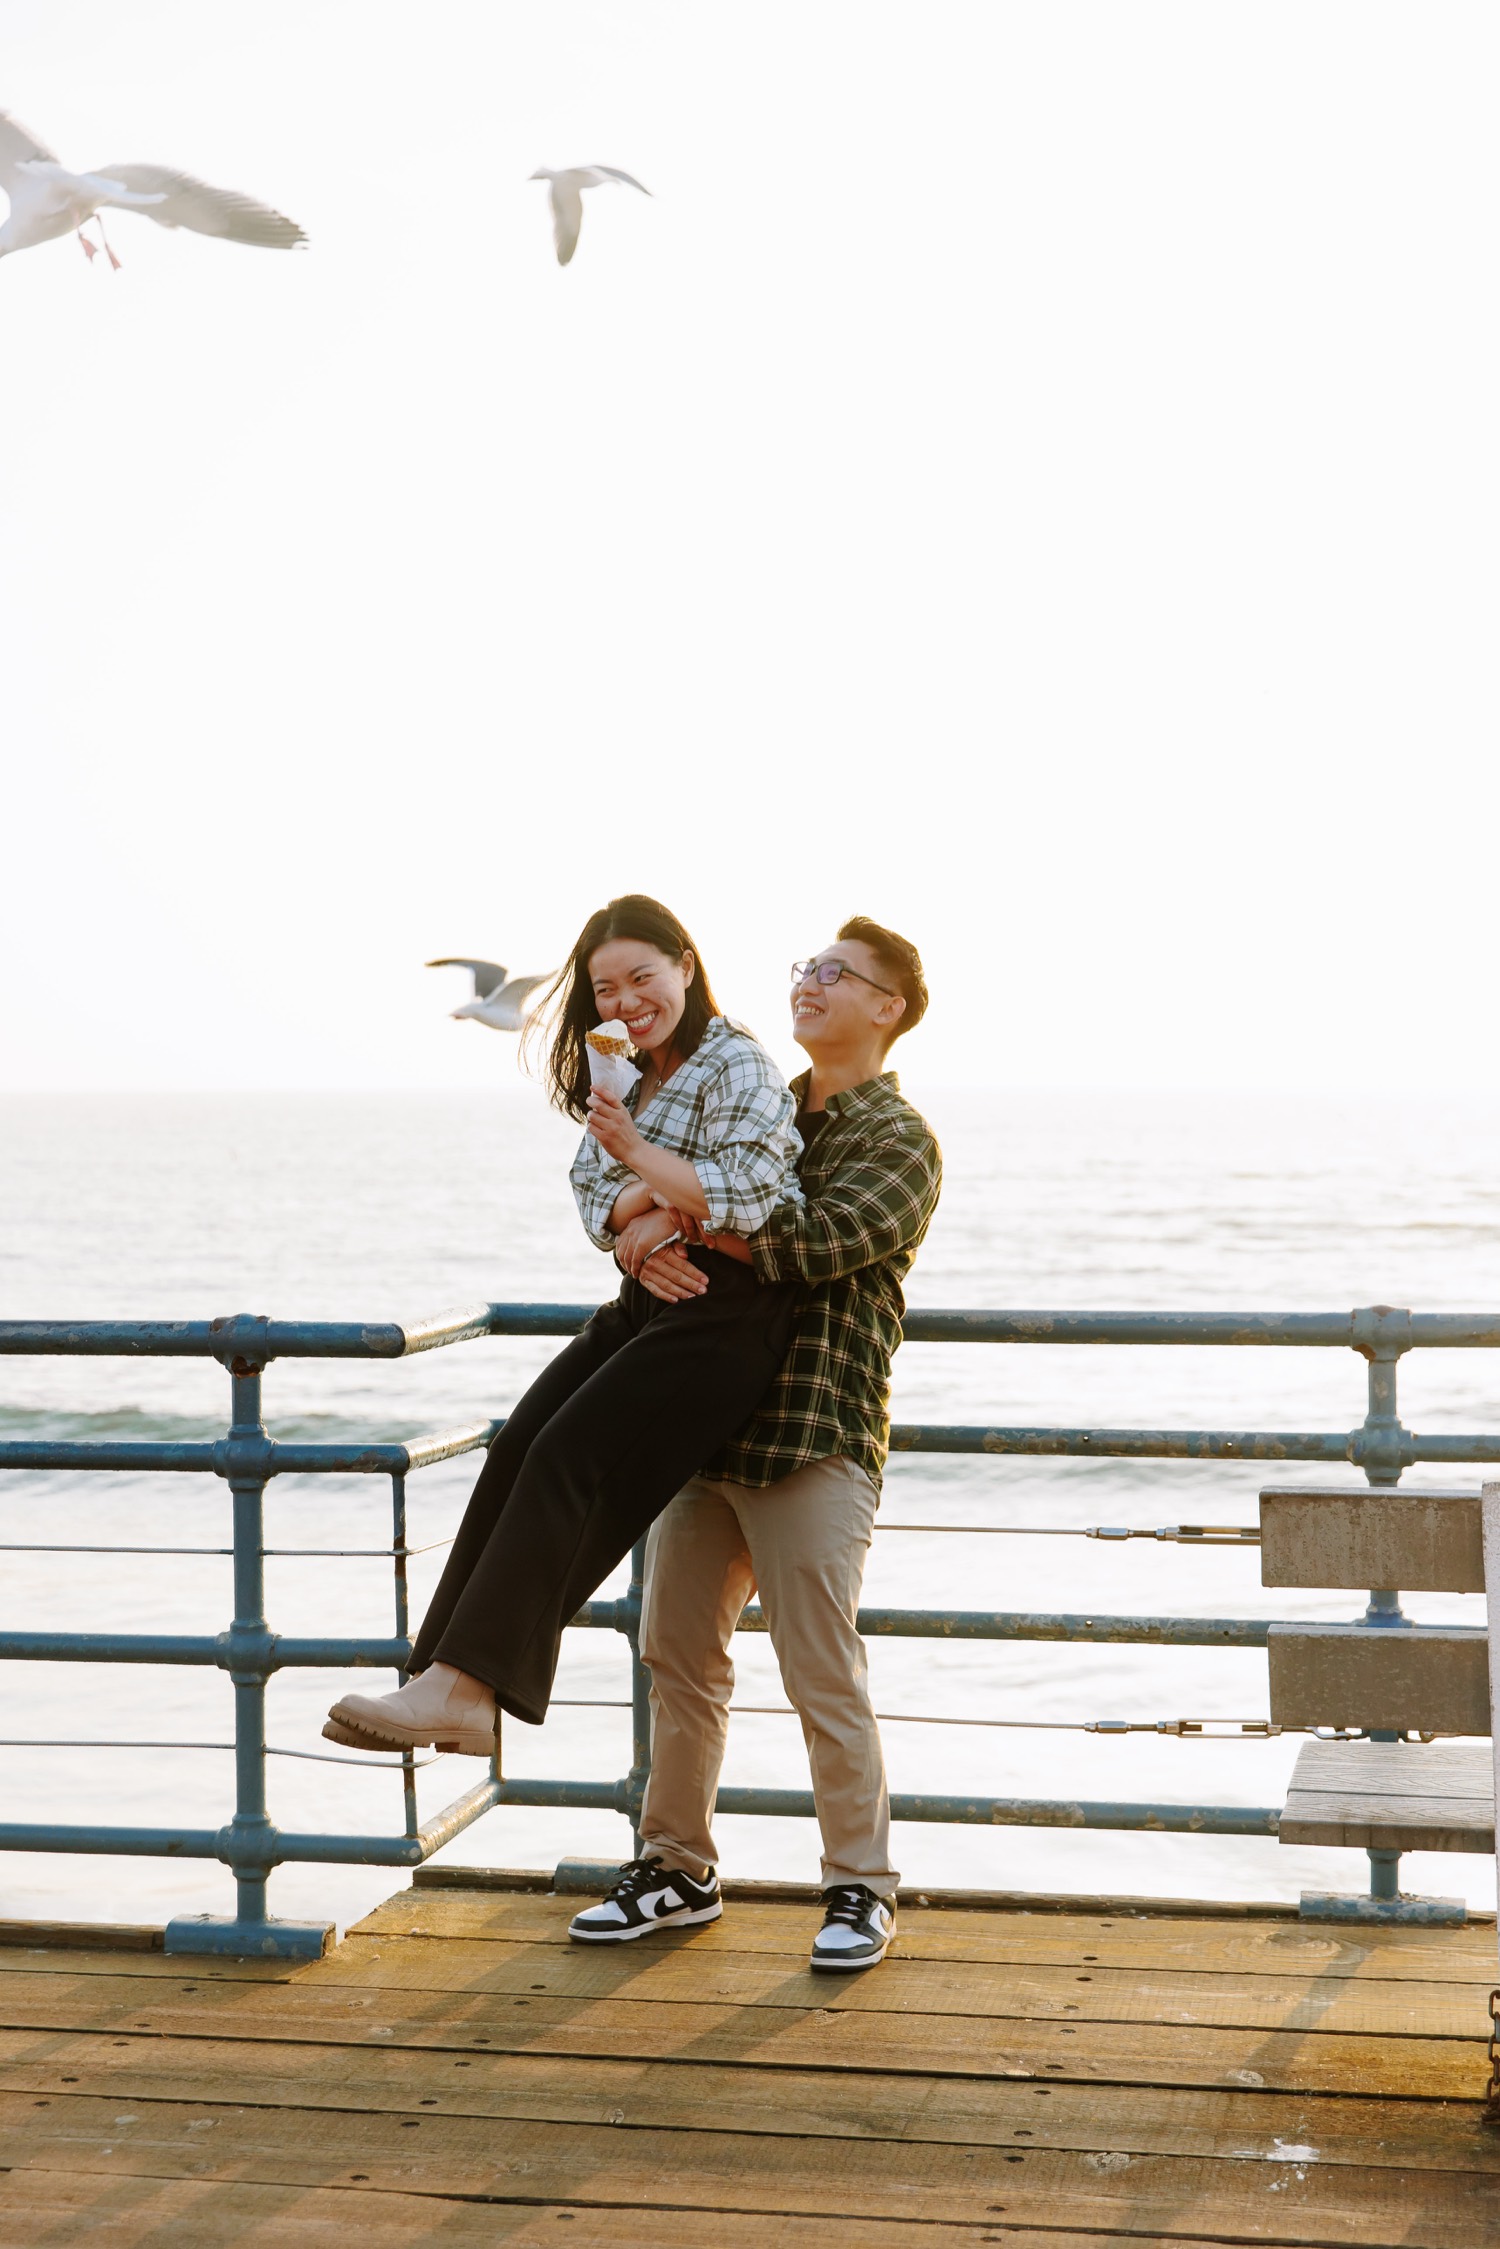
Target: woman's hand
point(613, 1126)
point(642, 1236)
point(672, 1276)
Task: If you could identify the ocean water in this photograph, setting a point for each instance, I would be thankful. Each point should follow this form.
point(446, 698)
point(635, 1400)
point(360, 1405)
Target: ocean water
point(392, 1206)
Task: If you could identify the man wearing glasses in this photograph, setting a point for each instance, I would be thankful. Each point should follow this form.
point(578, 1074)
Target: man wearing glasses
point(788, 1507)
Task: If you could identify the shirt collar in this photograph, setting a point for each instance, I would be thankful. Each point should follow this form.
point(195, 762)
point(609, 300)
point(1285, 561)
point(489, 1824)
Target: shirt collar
point(874, 1093)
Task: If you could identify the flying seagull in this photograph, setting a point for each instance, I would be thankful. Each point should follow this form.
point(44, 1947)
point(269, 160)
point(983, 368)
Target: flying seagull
point(47, 200)
point(567, 200)
point(498, 1000)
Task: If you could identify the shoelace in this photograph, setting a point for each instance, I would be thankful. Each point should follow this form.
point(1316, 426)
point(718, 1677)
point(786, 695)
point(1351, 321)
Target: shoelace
point(848, 1907)
point(635, 1876)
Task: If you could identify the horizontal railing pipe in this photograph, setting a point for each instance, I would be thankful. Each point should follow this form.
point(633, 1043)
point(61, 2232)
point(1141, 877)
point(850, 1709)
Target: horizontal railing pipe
point(962, 1811)
point(1130, 1444)
point(281, 1653)
point(114, 1842)
point(252, 1338)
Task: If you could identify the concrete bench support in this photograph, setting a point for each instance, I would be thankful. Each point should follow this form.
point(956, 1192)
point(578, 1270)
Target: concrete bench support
point(1386, 1677)
point(1424, 1678)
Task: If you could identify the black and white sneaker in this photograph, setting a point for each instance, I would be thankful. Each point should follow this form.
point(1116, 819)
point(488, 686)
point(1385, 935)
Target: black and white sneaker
point(857, 1927)
point(647, 1896)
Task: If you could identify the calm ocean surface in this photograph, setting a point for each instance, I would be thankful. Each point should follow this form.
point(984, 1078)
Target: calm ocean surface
point(387, 1206)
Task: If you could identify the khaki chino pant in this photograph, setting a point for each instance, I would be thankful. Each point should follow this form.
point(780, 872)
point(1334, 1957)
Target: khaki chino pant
point(802, 1543)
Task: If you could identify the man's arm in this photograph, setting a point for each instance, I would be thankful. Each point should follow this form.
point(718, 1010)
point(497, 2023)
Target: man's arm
point(878, 1202)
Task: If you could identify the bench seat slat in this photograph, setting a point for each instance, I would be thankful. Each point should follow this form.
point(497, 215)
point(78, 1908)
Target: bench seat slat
point(1396, 1796)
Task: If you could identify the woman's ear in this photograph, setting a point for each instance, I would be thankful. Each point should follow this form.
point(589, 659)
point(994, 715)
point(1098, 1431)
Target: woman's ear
point(689, 969)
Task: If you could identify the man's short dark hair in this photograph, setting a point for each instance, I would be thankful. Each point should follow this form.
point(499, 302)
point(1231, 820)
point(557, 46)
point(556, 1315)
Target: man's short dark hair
point(899, 959)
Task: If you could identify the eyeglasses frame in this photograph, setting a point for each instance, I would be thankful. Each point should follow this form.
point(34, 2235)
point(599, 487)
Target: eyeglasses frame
point(801, 970)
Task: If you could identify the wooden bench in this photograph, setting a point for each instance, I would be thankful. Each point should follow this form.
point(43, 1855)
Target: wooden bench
point(1386, 1677)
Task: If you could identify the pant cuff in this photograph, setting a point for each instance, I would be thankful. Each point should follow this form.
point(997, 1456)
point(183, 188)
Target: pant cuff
point(884, 1885)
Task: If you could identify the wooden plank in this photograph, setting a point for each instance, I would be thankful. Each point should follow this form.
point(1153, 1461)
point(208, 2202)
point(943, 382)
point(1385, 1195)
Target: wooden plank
point(1402, 2135)
point(1405, 1796)
point(91, 1936)
point(1089, 1995)
point(93, 2213)
point(1340, 1536)
point(1431, 1677)
point(832, 2037)
point(1297, 2199)
point(1461, 1955)
point(91, 1960)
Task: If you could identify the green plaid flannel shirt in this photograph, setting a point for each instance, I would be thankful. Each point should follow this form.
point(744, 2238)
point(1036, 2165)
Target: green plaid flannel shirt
point(871, 1179)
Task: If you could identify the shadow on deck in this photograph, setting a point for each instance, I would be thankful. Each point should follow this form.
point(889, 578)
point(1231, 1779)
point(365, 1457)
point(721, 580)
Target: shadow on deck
point(456, 2073)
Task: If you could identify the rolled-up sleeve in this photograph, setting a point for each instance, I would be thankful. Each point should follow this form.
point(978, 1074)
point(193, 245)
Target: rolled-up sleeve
point(750, 1144)
point(596, 1181)
point(873, 1206)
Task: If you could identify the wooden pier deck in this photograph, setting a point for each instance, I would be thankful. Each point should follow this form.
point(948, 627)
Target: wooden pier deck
point(457, 2074)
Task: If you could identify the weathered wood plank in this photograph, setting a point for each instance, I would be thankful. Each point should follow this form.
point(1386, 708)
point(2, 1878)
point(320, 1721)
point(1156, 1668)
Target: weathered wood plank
point(1404, 1796)
point(1402, 2135)
point(680, 1973)
point(832, 2037)
point(90, 1936)
point(1298, 2200)
point(95, 2213)
point(1463, 1955)
point(92, 1960)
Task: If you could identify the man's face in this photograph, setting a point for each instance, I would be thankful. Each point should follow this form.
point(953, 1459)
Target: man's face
point(858, 1005)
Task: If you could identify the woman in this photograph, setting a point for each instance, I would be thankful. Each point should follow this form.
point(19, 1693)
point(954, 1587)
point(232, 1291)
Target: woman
point(648, 1391)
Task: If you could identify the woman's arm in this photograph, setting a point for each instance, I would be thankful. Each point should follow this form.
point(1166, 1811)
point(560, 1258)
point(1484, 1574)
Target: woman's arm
point(633, 1201)
point(598, 1186)
point(619, 1136)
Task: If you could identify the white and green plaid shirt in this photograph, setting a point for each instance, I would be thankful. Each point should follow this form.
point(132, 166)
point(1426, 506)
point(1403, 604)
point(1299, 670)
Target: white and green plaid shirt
point(730, 1112)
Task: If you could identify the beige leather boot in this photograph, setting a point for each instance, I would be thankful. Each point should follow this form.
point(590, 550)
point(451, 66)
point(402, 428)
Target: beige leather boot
point(440, 1709)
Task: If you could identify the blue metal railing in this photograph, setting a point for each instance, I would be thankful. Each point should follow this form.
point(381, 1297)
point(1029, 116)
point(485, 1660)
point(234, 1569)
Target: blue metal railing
point(247, 1457)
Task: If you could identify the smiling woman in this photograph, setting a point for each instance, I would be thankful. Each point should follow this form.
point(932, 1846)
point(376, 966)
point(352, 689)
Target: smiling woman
point(651, 1389)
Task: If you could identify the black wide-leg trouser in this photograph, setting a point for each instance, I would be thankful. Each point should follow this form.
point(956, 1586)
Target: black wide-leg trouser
point(609, 1431)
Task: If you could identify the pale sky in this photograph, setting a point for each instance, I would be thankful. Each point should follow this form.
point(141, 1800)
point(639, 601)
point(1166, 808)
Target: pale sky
point(1029, 473)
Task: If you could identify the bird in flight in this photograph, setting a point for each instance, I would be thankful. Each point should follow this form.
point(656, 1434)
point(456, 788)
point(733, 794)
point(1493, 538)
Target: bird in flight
point(567, 199)
point(499, 999)
point(47, 200)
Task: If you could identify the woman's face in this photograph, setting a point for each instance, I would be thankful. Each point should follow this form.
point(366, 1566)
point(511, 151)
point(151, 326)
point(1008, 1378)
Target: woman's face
point(645, 990)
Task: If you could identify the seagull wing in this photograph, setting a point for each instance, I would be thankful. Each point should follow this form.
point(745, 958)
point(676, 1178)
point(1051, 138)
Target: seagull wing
point(567, 217)
point(488, 975)
point(18, 146)
point(607, 172)
point(515, 993)
point(192, 203)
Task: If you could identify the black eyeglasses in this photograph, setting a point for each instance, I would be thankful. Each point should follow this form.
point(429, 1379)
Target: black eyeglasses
point(829, 972)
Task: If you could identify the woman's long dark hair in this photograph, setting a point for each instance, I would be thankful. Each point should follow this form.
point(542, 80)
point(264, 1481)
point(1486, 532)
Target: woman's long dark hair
point(565, 1071)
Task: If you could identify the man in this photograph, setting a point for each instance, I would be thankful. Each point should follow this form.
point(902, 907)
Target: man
point(788, 1507)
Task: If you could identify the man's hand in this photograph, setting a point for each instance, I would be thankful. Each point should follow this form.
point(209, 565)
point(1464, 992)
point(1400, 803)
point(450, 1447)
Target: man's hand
point(613, 1126)
point(642, 1236)
point(672, 1276)
point(728, 1245)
